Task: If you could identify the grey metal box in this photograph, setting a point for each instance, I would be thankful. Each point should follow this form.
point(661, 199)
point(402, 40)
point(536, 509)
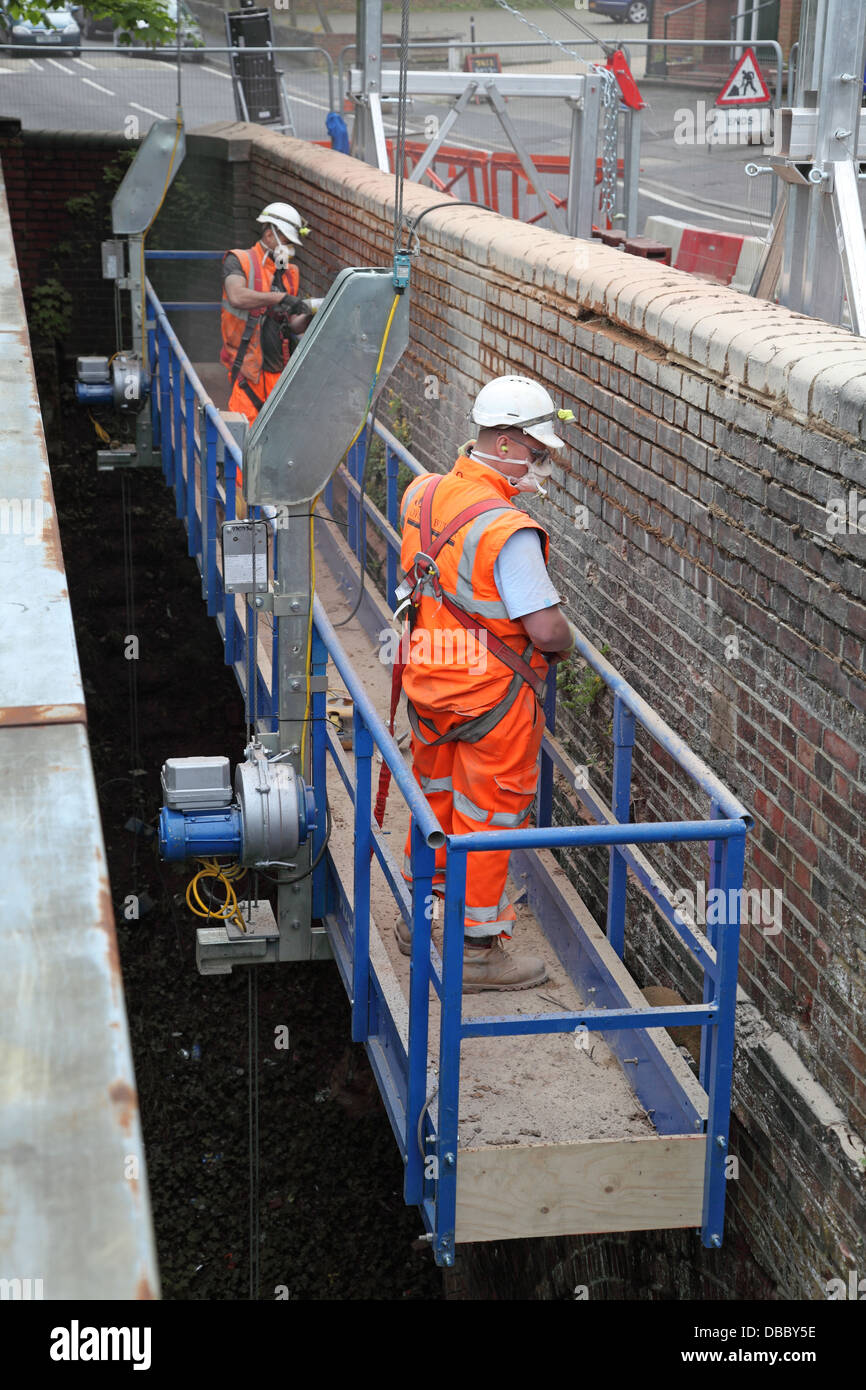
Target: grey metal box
point(92, 370)
point(112, 260)
point(245, 556)
point(196, 784)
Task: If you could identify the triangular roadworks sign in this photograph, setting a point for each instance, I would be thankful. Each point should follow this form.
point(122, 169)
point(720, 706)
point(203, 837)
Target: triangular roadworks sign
point(746, 85)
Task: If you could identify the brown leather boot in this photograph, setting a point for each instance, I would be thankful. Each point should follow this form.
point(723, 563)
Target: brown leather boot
point(491, 967)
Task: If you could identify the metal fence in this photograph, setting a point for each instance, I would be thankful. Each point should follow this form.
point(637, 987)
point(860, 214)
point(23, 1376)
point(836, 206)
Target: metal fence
point(692, 169)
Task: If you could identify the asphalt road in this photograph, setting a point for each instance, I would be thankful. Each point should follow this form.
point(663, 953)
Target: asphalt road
point(104, 90)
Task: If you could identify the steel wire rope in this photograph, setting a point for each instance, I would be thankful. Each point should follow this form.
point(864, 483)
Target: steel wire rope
point(609, 100)
point(132, 662)
point(369, 416)
point(254, 1144)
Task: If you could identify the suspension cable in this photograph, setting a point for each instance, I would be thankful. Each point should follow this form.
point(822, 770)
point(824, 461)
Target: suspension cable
point(400, 147)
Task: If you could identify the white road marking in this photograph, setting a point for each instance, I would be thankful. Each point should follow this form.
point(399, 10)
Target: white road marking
point(36, 65)
point(759, 222)
point(91, 66)
point(54, 62)
point(10, 70)
point(305, 101)
point(158, 114)
point(107, 90)
point(217, 72)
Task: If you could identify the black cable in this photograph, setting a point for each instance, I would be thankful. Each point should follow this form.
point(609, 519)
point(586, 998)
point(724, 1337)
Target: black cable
point(371, 427)
point(451, 203)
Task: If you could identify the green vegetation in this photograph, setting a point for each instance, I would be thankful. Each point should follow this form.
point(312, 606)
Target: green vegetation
point(125, 13)
point(50, 311)
point(376, 479)
point(579, 689)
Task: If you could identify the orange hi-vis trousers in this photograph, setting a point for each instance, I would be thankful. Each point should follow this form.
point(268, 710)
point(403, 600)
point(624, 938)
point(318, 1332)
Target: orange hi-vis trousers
point(488, 785)
point(240, 398)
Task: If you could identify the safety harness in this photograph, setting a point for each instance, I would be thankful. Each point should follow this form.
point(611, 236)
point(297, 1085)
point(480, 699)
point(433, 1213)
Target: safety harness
point(423, 578)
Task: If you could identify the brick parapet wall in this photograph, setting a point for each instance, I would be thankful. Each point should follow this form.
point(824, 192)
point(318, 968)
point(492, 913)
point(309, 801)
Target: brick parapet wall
point(713, 432)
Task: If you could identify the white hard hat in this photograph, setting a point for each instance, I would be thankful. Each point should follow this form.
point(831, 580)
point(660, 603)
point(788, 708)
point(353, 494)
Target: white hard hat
point(286, 219)
point(517, 402)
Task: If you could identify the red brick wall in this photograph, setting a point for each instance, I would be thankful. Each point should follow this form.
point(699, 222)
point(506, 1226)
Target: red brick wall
point(706, 471)
point(42, 171)
point(707, 450)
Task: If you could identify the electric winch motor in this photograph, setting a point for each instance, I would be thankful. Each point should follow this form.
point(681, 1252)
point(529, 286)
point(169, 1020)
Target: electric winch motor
point(120, 381)
point(271, 813)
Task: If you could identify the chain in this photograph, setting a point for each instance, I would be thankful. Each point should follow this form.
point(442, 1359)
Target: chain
point(610, 104)
point(610, 112)
point(503, 5)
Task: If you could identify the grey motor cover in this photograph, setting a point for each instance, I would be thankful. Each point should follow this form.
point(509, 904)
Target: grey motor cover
point(308, 421)
point(269, 798)
point(137, 200)
point(196, 784)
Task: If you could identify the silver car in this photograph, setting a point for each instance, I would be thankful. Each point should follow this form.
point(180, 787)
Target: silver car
point(58, 31)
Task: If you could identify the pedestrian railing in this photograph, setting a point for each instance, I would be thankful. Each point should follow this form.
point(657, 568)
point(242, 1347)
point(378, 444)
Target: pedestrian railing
point(193, 440)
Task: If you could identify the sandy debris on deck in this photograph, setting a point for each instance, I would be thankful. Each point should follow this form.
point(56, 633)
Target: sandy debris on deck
point(526, 1090)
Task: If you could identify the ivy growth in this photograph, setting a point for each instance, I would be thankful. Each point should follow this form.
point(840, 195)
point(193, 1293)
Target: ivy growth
point(51, 311)
point(579, 690)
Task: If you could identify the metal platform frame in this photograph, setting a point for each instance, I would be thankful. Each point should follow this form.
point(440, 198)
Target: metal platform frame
point(816, 248)
point(191, 435)
point(583, 93)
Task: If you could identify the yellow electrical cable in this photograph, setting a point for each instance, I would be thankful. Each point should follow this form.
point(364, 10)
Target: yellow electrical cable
point(223, 873)
point(101, 433)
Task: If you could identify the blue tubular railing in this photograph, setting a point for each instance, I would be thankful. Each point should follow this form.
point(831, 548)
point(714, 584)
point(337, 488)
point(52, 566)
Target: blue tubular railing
point(428, 1140)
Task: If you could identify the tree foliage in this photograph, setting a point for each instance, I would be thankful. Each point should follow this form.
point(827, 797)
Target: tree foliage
point(127, 15)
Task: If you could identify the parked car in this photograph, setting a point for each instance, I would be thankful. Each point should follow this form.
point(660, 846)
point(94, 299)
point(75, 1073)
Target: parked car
point(58, 31)
point(632, 11)
point(104, 28)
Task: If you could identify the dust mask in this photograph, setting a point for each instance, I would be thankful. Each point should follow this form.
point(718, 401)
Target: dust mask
point(282, 257)
point(530, 481)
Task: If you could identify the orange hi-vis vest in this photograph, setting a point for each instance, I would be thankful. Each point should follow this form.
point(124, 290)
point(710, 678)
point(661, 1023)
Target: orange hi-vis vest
point(259, 270)
point(446, 667)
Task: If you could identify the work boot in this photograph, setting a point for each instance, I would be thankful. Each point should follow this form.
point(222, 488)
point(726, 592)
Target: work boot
point(487, 965)
point(403, 935)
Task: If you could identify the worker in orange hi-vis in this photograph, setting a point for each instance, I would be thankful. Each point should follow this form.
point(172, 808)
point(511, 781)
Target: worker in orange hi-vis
point(486, 629)
point(261, 308)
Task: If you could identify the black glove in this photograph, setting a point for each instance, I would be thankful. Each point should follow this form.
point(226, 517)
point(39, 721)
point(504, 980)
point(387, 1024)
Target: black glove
point(290, 304)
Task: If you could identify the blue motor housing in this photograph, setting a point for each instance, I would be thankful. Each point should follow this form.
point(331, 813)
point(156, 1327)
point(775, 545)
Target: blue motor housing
point(273, 810)
point(200, 834)
point(94, 393)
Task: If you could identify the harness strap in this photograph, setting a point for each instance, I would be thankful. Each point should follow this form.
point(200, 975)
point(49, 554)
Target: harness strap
point(248, 391)
point(431, 547)
point(473, 729)
point(254, 317)
point(249, 329)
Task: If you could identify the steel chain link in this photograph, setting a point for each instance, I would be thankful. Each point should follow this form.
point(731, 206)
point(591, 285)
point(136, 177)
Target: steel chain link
point(610, 112)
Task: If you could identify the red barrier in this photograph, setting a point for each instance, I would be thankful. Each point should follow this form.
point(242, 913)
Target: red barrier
point(457, 161)
point(509, 163)
point(713, 255)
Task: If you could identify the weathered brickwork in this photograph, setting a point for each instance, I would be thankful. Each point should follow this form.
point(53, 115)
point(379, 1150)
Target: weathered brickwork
point(690, 533)
point(713, 433)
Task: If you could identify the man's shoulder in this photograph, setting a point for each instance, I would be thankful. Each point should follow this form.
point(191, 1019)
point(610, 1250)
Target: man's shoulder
point(232, 263)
